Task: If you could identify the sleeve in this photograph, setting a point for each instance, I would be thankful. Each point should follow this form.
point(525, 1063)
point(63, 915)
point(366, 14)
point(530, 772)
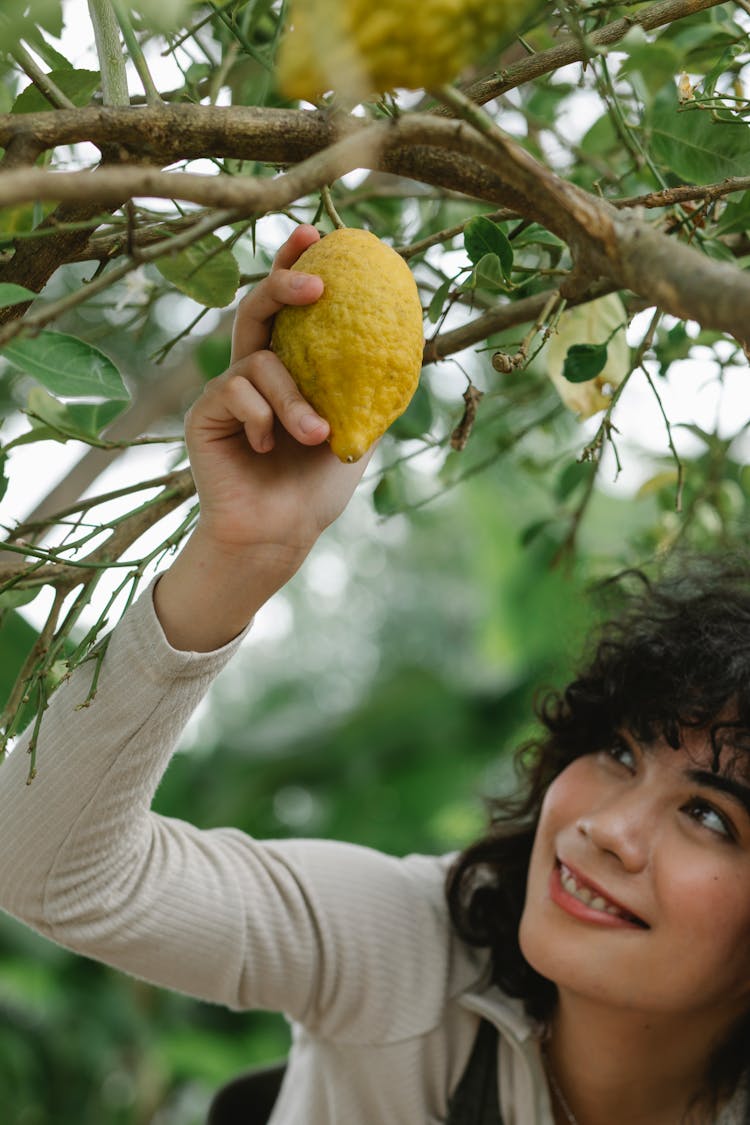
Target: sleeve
point(333, 935)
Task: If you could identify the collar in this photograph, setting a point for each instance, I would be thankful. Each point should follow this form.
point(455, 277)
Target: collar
point(523, 1083)
point(505, 1012)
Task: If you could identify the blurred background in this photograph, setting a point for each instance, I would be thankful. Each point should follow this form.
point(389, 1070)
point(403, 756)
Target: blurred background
point(379, 697)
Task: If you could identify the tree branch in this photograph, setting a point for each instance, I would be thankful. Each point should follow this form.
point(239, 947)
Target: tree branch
point(573, 50)
point(605, 243)
point(66, 575)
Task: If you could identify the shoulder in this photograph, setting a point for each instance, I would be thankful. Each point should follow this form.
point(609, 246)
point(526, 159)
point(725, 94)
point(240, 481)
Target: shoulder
point(391, 961)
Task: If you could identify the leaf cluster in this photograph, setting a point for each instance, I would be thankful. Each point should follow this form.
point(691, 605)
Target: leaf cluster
point(144, 183)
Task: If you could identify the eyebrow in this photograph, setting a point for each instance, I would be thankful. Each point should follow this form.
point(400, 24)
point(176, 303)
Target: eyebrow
point(723, 784)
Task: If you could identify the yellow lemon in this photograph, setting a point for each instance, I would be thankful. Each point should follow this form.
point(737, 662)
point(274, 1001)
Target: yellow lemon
point(358, 48)
point(355, 354)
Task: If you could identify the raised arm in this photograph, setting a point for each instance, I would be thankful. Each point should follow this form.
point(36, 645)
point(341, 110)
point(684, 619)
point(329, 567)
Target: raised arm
point(83, 859)
point(267, 481)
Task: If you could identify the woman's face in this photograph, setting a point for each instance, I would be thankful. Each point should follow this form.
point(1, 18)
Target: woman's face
point(639, 882)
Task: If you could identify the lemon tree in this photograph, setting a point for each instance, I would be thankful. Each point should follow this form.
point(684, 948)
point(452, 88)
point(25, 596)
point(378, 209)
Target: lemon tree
point(563, 188)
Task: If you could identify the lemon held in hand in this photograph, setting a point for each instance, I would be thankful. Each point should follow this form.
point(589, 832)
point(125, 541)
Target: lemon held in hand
point(356, 353)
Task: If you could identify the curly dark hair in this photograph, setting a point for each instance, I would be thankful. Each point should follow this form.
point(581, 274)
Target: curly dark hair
point(675, 655)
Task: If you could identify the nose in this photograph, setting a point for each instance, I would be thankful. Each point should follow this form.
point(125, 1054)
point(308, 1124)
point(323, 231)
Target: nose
point(622, 827)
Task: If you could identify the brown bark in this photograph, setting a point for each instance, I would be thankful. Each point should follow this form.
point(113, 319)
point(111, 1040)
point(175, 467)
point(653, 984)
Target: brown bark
point(605, 243)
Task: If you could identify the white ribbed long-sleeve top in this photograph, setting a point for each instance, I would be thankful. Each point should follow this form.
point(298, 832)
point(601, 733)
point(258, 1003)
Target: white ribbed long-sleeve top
point(353, 945)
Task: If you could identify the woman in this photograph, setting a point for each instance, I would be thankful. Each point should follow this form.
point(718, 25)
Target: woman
point(612, 989)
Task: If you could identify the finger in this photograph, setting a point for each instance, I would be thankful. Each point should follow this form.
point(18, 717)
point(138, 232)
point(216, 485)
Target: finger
point(228, 405)
point(279, 391)
point(245, 403)
point(299, 240)
point(252, 324)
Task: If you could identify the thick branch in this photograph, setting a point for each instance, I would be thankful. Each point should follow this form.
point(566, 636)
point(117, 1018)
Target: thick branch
point(602, 240)
point(680, 280)
point(35, 260)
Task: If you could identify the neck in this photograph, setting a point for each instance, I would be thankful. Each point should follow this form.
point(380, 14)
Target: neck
point(627, 1068)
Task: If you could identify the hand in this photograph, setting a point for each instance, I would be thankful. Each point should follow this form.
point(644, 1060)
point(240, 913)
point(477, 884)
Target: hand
point(257, 448)
point(267, 481)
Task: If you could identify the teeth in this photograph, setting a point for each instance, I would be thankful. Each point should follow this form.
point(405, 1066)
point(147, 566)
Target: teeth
point(584, 894)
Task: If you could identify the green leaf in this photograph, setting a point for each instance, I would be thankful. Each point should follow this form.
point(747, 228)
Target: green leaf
point(435, 310)
point(487, 274)
point(601, 138)
point(672, 345)
point(3, 476)
point(81, 421)
point(45, 50)
point(483, 237)
point(161, 15)
point(213, 355)
point(205, 271)
point(388, 497)
point(78, 85)
point(662, 479)
point(67, 366)
point(584, 362)
point(735, 218)
point(712, 248)
point(536, 235)
point(692, 145)
point(11, 599)
point(657, 62)
point(12, 294)
point(574, 474)
point(416, 419)
point(533, 530)
point(19, 17)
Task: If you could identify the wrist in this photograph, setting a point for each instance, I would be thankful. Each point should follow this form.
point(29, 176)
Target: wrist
point(213, 589)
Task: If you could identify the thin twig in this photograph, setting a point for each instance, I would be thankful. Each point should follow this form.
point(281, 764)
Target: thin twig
point(153, 97)
point(446, 235)
point(36, 321)
point(673, 448)
point(333, 215)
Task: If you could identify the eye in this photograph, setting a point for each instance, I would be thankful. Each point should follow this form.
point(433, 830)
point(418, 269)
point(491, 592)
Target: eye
point(710, 818)
point(620, 751)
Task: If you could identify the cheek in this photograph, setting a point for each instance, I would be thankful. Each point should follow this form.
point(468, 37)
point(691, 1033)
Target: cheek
point(567, 798)
point(564, 803)
point(714, 904)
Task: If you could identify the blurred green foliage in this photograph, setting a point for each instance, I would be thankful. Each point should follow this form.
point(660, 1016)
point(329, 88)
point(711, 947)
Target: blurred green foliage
point(402, 665)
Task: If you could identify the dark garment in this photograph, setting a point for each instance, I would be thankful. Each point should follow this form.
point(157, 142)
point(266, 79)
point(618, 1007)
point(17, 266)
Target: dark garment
point(475, 1099)
point(249, 1099)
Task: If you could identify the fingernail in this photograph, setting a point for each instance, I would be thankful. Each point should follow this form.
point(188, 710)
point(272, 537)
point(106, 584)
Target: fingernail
point(300, 280)
point(309, 423)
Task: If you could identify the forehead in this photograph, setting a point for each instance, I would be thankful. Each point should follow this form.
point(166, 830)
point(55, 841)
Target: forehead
point(715, 750)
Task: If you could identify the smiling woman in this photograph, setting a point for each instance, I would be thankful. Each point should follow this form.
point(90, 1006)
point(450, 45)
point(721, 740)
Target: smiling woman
point(614, 889)
point(587, 963)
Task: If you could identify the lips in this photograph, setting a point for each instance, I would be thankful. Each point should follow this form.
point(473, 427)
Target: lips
point(584, 899)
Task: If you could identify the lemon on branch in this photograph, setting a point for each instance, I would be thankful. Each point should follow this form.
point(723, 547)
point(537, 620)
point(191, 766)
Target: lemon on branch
point(359, 48)
point(356, 353)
